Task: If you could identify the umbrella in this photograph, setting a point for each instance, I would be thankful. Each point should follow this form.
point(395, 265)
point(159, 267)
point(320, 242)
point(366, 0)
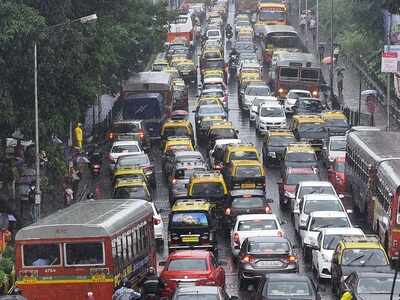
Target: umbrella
point(327, 60)
point(369, 92)
point(82, 159)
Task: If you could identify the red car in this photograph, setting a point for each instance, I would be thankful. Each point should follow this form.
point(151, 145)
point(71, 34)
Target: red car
point(336, 175)
point(198, 267)
point(292, 177)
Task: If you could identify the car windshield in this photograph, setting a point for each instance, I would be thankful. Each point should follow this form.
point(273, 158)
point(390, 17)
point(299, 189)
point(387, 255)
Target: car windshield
point(309, 105)
point(126, 128)
point(216, 93)
point(196, 296)
point(208, 189)
point(187, 264)
point(133, 160)
point(377, 285)
point(336, 123)
point(305, 190)
point(324, 222)
point(223, 133)
point(243, 23)
point(254, 225)
point(248, 171)
point(244, 155)
point(210, 109)
point(124, 148)
point(322, 205)
point(131, 192)
point(293, 179)
point(301, 157)
point(288, 289)
point(176, 131)
point(248, 202)
point(187, 172)
point(256, 247)
point(189, 158)
point(258, 91)
point(364, 257)
point(311, 127)
point(271, 15)
point(281, 141)
point(189, 219)
point(296, 95)
point(337, 145)
point(272, 112)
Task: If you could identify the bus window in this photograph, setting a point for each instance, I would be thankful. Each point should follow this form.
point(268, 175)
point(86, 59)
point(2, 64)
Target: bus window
point(129, 243)
point(91, 253)
point(40, 255)
point(289, 73)
point(309, 75)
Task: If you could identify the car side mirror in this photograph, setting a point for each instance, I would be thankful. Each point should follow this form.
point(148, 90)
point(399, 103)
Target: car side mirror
point(162, 263)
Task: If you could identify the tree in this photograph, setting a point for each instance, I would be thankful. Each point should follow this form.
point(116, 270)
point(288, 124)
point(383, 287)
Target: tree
point(393, 6)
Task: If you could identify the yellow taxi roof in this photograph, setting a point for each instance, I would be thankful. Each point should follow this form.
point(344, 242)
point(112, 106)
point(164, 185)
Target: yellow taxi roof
point(271, 5)
point(128, 171)
point(240, 147)
point(161, 62)
point(245, 162)
point(363, 245)
point(191, 205)
point(129, 182)
point(213, 72)
point(308, 119)
point(246, 29)
point(209, 97)
point(301, 148)
point(333, 115)
point(206, 176)
point(281, 133)
point(224, 124)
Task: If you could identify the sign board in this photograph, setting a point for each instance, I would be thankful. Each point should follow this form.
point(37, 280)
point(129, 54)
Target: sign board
point(390, 62)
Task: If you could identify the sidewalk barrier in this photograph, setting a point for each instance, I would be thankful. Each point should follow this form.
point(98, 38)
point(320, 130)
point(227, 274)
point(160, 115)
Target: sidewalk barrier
point(352, 117)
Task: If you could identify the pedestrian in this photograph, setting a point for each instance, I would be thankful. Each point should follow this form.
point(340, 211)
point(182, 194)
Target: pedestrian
point(339, 80)
point(125, 290)
point(303, 22)
point(336, 52)
point(78, 136)
point(313, 28)
point(68, 196)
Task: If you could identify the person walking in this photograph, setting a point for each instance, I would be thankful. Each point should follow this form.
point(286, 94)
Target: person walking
point(336, 52)
point(78, 132)
point(313, 28)
point(339, 80)
point(124, 291)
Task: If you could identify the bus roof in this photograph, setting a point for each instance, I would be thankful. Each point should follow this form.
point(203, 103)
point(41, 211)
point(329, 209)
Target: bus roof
point(87, 219)
point(285, 58)
point(388, 171)
point(148, 81)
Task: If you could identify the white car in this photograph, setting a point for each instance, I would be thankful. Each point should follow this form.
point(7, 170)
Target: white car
point(292, 97)
point(320, 220)
point(219, 150)
point(308, 187)
point(214, 34)
point(270, 115)
point(122, 148)
point(336, 148)
point(254, 91)
point(325, 245)
point(256, 103)
point(253, 225)
point(158, 224)
point(315, 202)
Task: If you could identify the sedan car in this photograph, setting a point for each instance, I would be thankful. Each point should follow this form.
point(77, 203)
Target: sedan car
point(208, 110)
point(140, 160)
point(202, 293)
point(287, 286)
point(261, 255)
point(337, 176)
point(336, 147)
point(122, 148)
point(197, 267)
point(292, 97)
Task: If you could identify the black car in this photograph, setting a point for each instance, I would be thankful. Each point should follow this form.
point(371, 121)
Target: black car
point(221, 133)
point(245, 202)
point(201, 293)
point(274, 146)
point(287, 286)
point(262, 255)
point(305, 106)
point(369, 285)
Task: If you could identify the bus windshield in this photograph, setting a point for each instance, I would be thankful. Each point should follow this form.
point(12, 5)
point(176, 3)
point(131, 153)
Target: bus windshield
point(40, 255)
point(142, 109)
point(275, 15)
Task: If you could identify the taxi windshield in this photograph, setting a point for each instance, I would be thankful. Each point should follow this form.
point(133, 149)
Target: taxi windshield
point(336, 123)
point(131, 192)
point(253, 225)
point(248, 171)
point(189, 219)
point(248, 202)
point(281, 141)
point(293, 179)
point(332, 240)
point(258, 91)
point(311, 127)
point(301, 156)
point(244, 155)
point(176, 131)
point(224, 133)
point(323, 222)
point(208, 189)
point(187, 172)
point(322, 205)
point(364, 257)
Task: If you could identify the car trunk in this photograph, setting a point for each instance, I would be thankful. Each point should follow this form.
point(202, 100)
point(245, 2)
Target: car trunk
point(191, 236)
point(257, 182)
point(270, 261)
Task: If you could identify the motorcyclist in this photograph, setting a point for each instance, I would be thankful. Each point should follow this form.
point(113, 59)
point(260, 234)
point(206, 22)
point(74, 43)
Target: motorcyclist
point(152, 285)
point(125, 292)
point(228, 31)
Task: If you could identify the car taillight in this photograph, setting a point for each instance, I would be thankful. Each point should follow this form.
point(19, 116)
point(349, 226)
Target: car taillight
point(236, 238)
point(141, 134)
point(290, 259)
point(268, 210)
point(173, 181)
point(90, 296)
point(247, 259)
point(156, 221)
point(227, 211)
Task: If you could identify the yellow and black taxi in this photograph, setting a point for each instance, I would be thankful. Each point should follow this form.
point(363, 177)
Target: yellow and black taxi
point(309, 129)
point(209, 100)
point(192, 225)
point(205, 123)
point(336, 122)
point(176, 128)
point(245, 174)
point(131, 189)
point(176, 143)
point(186, 69)
point(242, 151)
point(298, 155)
point(246, 77)
point(213, 76)
point(135, 172)
point(159, 65)
point(357, 254)
point(221, 130)
point(245, 201)
point(208, 185)
point(275, 143)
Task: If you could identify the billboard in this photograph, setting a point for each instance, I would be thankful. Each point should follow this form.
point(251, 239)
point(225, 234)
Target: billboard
point(392, 29)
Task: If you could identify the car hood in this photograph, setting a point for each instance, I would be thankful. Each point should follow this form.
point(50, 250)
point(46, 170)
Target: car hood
point(347, 270)
point(272, 119)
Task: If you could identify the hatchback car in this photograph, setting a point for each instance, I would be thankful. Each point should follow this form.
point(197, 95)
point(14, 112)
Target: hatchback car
point(140, 160)
point(275, 144)
point(198, 267)
point(261, 255)
point(121, 148)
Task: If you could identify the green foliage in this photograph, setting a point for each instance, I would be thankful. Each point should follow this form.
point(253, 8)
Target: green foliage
point(6, 265)
point(392, 5)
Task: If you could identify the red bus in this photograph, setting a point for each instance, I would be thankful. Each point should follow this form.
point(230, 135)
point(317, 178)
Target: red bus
point(88, 247)
point(372, 170)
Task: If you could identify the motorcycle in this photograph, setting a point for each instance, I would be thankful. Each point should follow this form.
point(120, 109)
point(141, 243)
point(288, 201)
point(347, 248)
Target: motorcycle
point(233, 65)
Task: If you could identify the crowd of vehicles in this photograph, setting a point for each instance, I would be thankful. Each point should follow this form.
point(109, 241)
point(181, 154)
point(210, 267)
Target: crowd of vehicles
point(89, 248)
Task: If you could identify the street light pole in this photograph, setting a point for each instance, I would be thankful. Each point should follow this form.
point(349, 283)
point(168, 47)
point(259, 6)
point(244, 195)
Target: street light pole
point(38, 196)
point(332, 62)
point(317, 37)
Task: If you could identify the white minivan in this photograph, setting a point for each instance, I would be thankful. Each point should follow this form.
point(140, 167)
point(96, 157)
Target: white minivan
point(270, 115)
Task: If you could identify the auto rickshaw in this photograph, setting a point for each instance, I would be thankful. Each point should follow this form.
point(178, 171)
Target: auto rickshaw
point(176, 128)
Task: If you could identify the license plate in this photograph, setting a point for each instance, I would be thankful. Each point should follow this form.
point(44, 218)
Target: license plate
point(247, 185)
point(269, 263)
point(190, 239)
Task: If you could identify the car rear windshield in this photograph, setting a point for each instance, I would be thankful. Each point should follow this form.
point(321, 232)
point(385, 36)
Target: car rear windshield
point(125, 149)
point(253, 225)
point(268, 247)
point(131, 192)
point(301, 156)
point(133, 160)
point(210, 109)
point(338, 145)
point(311, 127)
point(322, 205)
point(248, 171)
point(176, 131)
point(293, 179)
point(187, 264)
point(288, 289)
point(208, 189)
point(126, 128)
point(272, 112)
point(324, 222)
point(250, 202)
point(244, 155)
point(305, 190)
point(189, 219)
point(281, 141)
point(364, 257)
point(223, 133)
point(332, 240)
point(187, 172)
point(377, 285)
point(258, 91)
point(198, 297)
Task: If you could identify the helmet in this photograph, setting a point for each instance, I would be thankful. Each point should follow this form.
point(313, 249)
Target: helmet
point(79, 124)
point(125, 282)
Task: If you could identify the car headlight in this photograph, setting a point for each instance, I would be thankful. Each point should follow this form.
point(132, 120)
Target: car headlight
point(289, 195)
